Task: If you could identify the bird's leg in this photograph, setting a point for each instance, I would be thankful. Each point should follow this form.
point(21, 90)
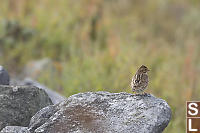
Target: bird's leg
point(137, 94)
point(144, 93)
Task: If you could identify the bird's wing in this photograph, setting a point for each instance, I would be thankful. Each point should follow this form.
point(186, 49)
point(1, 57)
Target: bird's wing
point(144, 78)
point(136, 80)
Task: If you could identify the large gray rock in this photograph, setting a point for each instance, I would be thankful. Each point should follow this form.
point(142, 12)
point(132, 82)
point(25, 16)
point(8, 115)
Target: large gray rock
point(19, 103)
point(15, 129)
point(103, 112)
point(4, 76)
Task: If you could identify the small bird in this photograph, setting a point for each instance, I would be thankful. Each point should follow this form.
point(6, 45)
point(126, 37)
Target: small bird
point(140, 80)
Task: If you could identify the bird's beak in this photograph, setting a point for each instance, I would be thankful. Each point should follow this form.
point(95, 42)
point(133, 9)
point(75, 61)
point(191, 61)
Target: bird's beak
point(148, 70)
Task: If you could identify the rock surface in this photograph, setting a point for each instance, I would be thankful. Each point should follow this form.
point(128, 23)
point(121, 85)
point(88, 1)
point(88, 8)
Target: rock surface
point(103, 112)
point(19, 103)
point(15, 129)
point(4, 76)
point(54, 96)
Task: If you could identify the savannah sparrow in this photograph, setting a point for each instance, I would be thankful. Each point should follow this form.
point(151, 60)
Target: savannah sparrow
point(140, 80)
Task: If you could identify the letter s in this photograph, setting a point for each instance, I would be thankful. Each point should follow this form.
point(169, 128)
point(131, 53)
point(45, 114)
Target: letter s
point(193, 108)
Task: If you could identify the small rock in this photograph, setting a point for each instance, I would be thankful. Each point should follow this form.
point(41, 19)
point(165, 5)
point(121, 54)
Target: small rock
point(19, 103)
point(100, 112)
point(4, 76)
point(15, 89)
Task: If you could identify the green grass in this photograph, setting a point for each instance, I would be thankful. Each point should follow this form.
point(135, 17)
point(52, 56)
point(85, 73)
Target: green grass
point(98, 45)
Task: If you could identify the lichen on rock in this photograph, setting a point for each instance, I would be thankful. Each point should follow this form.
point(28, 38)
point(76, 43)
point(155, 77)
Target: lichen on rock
point(95, 112)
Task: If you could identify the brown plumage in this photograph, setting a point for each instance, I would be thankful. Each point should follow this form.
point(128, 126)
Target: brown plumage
point(140, 80)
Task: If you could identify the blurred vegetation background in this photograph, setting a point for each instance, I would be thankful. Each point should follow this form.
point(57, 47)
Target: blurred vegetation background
point(97, 45)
